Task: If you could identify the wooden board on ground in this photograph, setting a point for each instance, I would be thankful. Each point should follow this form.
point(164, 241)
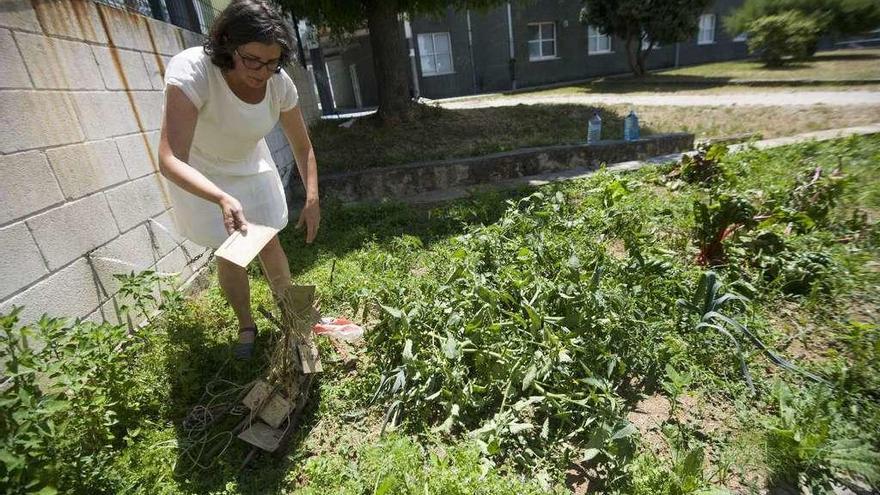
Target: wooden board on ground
point(261, 435)
point(257, 396)
point(311, 361)
point(297, 415)
point(241, 249)
point(276, 410)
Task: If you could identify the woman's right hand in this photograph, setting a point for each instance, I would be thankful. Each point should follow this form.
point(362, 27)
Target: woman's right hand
point(233, 215)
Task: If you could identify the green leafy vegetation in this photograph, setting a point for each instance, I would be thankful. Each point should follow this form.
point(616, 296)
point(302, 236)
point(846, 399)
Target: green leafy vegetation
point(440, 133)
point(513, 339)
point(788, 36)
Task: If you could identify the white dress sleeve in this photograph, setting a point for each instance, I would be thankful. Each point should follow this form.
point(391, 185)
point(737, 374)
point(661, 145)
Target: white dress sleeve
point(287, 95)
point(190, 75)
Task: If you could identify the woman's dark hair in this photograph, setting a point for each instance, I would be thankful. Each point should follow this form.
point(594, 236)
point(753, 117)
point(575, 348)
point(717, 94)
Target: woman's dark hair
point(245, 21)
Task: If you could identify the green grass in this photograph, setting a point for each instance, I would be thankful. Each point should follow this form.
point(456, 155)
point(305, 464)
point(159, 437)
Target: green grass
point(830, 71)
point(438, 134)
point(839, 65)
point(661, 84)
point(441, 267)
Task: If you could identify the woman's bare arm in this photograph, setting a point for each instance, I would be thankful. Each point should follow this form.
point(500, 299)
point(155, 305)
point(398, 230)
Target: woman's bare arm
point(298, 135)
point(178, 127)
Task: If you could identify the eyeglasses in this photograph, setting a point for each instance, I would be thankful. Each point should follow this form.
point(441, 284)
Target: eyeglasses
point(255, 64)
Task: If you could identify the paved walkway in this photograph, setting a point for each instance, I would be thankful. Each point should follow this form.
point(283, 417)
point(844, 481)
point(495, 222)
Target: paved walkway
point(580, 173)
point(789, 98)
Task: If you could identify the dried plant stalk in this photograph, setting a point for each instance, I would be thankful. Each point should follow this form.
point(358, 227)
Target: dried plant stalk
point(298, 315)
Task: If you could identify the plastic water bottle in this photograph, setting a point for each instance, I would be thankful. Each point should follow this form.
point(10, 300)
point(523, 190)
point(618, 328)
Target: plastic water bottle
point(631, 127)
point(594, 128)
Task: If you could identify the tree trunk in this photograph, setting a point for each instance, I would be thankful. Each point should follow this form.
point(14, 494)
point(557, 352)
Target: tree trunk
point(642, 57)
point(632, 55)
point(389, 61)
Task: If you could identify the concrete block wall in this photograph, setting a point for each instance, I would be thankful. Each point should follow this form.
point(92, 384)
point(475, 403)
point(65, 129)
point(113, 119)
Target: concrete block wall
point(81, 97)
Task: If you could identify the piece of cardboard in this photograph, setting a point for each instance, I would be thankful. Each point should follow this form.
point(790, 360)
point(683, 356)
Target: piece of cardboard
point(257, 396)
point(263, 436)
point(241, 249)
point(309, 359)
point(276, 410)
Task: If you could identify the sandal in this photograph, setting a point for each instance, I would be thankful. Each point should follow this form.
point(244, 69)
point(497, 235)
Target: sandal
point(245, 350)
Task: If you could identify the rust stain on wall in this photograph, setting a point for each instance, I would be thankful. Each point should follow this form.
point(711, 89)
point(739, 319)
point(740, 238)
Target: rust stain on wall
point(159, 62)
point(57, 15)
point(40, 17)
point(114, 54)
point(154, 153)
point(103, 14)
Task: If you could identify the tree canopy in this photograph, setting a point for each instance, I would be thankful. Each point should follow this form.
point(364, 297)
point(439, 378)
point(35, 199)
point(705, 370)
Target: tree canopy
point(381, 17)
point(834, 17)
point(655, 21)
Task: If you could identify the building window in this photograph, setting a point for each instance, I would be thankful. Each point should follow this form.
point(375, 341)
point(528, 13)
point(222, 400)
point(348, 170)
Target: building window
point(435, 54)
point(542, 40)
point(598, 42)
point(707, 29)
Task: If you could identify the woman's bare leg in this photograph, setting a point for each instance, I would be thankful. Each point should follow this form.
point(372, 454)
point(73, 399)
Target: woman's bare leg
point(236, 288)
point(275, 267)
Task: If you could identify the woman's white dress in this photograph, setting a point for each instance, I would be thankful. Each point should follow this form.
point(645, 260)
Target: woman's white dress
point(229, 148)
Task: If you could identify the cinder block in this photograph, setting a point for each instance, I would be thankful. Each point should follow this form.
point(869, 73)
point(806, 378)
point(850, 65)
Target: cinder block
point(122, 69)
point(67, 232)
point(191, 39)
point(14, 74)
point(124, 29)
point(139, 153)
point(132, 251)
point(175, 262)
point(31, 119)
point(155, 65)
point(82, 169)
point(26, 185)
point(106, 313)
point(59, 64)
point(70, 292)
point(71, 18)
point(105, 114)
point(166, 37)
point(164, 233)
point(136, 201)
point(196, 256)
point(23, 264)
point(19, 14)
point(283, 157)
point(276, 138)
point(148, 108)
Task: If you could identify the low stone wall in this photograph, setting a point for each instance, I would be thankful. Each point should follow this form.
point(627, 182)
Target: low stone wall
point(413, 179)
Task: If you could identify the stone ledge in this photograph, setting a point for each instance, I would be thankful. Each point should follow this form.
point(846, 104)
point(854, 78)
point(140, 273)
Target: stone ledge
point(408, 180)
point(438, 197)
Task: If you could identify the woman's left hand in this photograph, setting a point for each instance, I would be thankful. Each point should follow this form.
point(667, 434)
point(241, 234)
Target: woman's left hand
point(311, 217)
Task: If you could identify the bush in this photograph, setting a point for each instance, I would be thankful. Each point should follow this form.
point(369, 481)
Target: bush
point(775, 38)
point(63, 409)
point(834, 17)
